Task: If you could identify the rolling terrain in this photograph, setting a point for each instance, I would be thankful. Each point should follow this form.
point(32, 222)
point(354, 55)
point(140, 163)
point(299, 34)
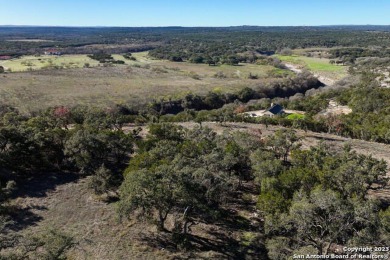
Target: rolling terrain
point(135, 142)
point(136, 82)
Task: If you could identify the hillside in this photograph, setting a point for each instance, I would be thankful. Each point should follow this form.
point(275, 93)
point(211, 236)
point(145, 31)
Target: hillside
point(65, 203)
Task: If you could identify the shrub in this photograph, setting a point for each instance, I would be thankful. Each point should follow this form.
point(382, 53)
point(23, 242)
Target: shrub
point(101, 182)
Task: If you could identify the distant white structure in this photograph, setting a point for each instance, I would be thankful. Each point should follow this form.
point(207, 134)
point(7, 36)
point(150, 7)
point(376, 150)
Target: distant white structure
point(53, 52)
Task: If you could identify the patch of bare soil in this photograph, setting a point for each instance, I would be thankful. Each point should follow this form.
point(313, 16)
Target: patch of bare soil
point(298, 69)
point(72, 208)
point(335, 108)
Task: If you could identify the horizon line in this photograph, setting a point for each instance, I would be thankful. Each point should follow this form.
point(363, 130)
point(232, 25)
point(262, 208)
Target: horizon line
point(181, 26)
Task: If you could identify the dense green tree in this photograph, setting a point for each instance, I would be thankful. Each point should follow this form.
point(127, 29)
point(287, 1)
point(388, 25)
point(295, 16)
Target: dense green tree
point(384, 217)
point(87, 149)
point(320, 200)
point(283, 142)
point(322, 219)
point(184, 176)
point(102, 181)
point(148, 191)
point(265, 164)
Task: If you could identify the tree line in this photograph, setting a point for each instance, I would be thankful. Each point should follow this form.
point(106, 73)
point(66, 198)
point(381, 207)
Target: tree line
point(179, 41)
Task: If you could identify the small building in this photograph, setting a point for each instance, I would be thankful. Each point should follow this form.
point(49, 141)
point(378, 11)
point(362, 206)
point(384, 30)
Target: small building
point(274, 110)
point(53, 52)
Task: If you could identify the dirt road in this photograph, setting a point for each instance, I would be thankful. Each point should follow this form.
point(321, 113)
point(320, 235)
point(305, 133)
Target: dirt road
point(377, 150)
point(297, 69)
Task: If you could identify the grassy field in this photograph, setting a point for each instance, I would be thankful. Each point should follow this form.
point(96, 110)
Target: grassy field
point(133, 83)
point(44, 62)
point(295, 116)
point(241, 71)
point(314, 64)
point(28, 63)
point(319, 66)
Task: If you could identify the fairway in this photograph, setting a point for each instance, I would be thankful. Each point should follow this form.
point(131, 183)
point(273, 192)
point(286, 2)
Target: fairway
point(320, 66)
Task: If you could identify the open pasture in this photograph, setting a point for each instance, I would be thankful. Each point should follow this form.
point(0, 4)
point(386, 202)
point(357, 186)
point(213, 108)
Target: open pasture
point(134, 83)
point(49, 62)
point(29, 63)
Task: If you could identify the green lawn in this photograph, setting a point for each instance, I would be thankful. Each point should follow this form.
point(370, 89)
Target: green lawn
point(320, 66)
point(295, 116)
point(314, 64)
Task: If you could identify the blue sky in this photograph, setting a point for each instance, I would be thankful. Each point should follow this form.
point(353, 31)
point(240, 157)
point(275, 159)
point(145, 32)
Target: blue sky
point(193, 12)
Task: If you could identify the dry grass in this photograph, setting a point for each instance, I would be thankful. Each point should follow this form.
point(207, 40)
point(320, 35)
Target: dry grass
point(71, 208)
point(133, 83)
point(45, 62)
point(29, 63)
